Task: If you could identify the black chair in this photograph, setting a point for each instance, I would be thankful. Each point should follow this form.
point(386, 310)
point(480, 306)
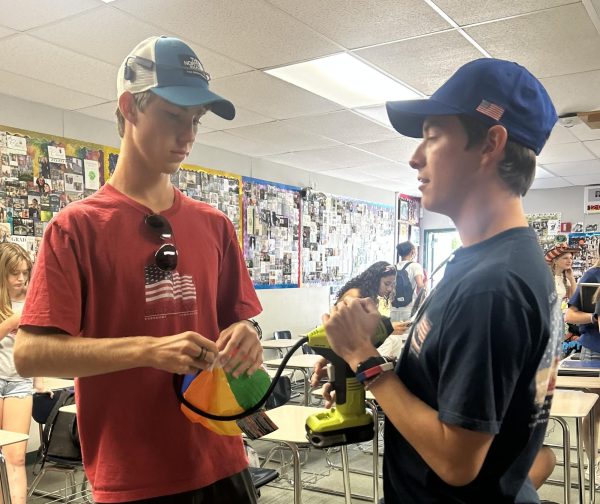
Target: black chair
point(54, 440)
point(282, 335)
point(261, 476)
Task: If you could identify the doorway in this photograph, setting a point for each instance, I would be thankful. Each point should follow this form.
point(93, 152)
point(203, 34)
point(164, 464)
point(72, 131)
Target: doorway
point(439, 244)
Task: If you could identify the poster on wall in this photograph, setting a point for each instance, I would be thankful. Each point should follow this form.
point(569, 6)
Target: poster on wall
point(39, 175)
point(592, 199)
point(271, 233)
point(341, 237)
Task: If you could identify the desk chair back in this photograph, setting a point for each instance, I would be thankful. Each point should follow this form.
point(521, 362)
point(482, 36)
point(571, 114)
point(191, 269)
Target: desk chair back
point(59, 441)
point(281, 394)
point(282, 335)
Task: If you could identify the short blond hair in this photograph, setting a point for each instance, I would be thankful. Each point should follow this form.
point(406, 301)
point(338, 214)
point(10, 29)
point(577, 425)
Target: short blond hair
point(141, 101)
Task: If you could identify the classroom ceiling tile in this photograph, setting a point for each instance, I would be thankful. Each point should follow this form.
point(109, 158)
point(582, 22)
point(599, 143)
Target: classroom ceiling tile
point(224, 140)
point(284, 137)
point(243, 117)
point(581, 180)
point(594, 146)
point(584, 133)
point(399, 149)
point(253, 32)
point(573, 168)
point(271, 96)
point(574, 93)
point(381, 21)
point(554, 47)
point(563, 153)
point(389, 170)
point(344, 126)
point(377, 113)
point(104, 111)
point(345, 156)
point(5, 32)
point(351, 174)
point(25, 55)
point(44, 92)
point(550, 183)
point(561, 135)
point(424, 63)
point(32, 13)
point(109, 35)
point(477, 11)
point(541, 173)
point(305, 160)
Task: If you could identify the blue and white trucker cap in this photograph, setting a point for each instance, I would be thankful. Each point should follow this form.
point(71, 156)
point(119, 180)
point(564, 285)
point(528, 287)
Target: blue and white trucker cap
point(493, 91)
point(170, 69)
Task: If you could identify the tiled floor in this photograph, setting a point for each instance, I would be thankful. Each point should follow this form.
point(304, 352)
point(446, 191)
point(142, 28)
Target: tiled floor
point(316, 471)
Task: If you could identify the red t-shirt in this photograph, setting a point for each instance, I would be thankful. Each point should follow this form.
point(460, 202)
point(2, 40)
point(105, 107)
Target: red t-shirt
point(95, 277)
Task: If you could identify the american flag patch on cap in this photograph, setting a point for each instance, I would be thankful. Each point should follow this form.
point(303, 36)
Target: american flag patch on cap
point(490, 110)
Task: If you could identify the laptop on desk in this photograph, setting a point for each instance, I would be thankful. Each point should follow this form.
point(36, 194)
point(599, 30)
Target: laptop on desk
point(570, 367)
point(587, 291)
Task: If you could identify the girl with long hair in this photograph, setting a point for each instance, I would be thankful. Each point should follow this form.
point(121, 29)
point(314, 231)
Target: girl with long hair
point(15, 392)
point(560, 260)
point(376, 282)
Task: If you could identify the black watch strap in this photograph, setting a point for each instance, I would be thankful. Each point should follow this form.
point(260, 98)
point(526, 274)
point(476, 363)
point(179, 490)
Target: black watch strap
point(256, 326)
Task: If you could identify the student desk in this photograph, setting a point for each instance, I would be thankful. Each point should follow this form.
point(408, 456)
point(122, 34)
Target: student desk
point(291, 420)
point(70, 408)
point(576, 404)
point(372, 405)
point(58, 383)
point(304, 363)
point(279, 344)
point(7, 438)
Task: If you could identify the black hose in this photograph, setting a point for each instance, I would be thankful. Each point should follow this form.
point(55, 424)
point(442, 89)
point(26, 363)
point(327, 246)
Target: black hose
point(178, 379)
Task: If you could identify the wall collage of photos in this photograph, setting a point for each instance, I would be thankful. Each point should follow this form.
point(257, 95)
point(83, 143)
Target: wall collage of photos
point(290, 237)
point(341, 237)
point(39, 175)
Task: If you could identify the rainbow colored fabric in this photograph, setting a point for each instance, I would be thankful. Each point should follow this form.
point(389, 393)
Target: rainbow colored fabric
point(219, 393)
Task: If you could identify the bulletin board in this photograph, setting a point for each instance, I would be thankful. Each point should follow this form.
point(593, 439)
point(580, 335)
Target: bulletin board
point(546, 226)
point(219, 189)
point(588, 244)
point(408, 210)
point(39, 175)
point(341, 237)
point(271, 233)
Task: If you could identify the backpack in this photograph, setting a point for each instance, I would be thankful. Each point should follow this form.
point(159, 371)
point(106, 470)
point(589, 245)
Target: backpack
point(404, 289)
point(60, 430)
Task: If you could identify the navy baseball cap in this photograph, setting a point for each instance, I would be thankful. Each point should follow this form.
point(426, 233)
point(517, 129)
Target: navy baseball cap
point(170, 69)
point(491, 90)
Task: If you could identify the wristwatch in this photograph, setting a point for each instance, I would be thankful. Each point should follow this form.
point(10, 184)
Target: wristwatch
point(594, 318)
point(373, 366)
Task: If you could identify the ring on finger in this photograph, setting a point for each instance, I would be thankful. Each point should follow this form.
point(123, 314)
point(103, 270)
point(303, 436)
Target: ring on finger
point(202, 354)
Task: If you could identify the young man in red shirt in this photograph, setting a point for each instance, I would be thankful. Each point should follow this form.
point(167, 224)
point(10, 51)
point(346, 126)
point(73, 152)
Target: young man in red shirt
point(138, 282)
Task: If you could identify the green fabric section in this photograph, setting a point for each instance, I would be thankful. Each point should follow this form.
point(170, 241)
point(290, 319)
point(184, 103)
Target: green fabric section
point(249, 389)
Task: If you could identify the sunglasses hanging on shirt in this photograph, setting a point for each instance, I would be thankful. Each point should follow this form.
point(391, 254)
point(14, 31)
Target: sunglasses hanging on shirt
point(165, 257)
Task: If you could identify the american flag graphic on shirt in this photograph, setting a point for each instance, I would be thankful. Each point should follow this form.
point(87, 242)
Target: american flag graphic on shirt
point(168, 292)
point(490, 109)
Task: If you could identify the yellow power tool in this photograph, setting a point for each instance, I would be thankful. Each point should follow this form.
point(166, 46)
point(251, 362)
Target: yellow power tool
point(348, 421)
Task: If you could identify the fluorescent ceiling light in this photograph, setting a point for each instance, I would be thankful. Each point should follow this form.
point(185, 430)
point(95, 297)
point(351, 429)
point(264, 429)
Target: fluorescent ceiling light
point(344, 79)
point(108, 1)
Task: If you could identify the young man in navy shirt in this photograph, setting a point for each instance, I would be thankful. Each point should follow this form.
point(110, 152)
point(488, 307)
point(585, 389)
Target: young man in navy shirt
point(467, 406)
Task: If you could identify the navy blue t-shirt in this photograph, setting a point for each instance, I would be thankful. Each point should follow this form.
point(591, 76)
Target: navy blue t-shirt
point(484, 354)
point(590, 337)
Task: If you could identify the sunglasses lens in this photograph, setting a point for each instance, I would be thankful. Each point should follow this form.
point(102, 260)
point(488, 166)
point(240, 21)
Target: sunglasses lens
point(161, 225)
point(166, 257)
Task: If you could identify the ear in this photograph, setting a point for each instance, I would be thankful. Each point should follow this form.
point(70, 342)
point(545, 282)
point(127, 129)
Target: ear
point(127, 107)
point(493, 147)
